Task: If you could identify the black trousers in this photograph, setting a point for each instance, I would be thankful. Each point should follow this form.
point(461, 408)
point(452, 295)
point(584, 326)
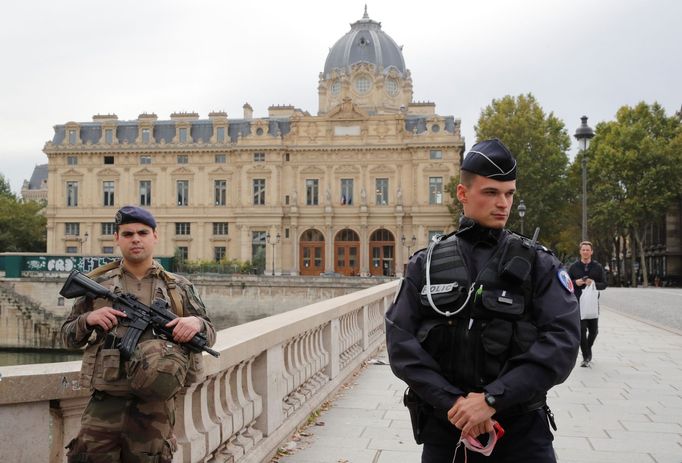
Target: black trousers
point(527, 439)
point(588, 333)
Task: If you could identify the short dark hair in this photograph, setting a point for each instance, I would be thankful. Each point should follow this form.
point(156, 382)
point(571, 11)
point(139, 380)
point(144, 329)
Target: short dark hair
point(466, 178)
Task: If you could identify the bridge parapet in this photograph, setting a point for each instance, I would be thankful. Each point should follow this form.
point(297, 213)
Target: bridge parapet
point(272, 373)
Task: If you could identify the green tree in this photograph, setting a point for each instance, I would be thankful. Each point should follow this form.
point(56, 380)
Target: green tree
point(634, 167)
point(23, 228)
point(539, 142)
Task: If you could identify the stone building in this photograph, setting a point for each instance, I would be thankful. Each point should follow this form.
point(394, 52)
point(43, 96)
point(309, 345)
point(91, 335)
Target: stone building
point(35, 189)
point(350, 190)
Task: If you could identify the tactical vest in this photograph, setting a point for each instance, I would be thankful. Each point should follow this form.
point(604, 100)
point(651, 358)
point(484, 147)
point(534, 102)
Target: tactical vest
point(102, 368)
point(471, 328)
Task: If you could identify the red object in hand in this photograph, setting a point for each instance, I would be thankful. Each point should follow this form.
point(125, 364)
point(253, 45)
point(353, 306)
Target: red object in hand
point(499, 430)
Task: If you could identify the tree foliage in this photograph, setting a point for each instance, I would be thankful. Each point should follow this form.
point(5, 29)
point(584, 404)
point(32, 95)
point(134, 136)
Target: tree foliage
point(22, 226)
point(539, 142)
point(634, 166)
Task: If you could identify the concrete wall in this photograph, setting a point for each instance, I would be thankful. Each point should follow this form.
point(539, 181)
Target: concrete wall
point(271, 374)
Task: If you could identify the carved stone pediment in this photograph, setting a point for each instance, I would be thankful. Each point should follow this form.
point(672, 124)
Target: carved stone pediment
point(220, 171)
point(144, 172)
point(347, 110)
point(108, 172)
point(382, 169)
point(312, 170)
point(182, 171)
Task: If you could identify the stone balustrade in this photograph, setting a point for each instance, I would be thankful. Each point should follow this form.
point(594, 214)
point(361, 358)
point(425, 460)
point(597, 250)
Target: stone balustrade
point(271, 374)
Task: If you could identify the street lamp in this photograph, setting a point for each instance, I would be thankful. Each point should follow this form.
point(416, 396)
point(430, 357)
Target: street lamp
point(522, 212)
point(83, 240)
point(273, 240)
point(410, 244)
point(583, 134)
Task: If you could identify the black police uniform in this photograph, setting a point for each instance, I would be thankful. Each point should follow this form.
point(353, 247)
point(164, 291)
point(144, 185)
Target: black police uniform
point(506, 329)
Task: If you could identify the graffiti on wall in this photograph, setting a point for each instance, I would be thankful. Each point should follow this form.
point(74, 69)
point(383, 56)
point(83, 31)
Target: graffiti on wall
point(63, 264)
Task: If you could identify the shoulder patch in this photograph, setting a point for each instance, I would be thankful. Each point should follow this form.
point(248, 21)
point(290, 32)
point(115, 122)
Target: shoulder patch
point(565, 280)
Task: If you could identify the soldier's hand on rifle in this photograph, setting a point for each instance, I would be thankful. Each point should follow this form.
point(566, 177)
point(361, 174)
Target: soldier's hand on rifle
point(184, 328)
point(104, 317)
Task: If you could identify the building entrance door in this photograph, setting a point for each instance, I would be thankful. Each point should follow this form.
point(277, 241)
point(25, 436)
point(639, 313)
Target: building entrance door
point(347, 253)
point(311, 253)
point(382, 253)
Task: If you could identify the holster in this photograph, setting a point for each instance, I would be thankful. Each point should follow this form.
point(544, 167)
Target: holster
point(419, 412)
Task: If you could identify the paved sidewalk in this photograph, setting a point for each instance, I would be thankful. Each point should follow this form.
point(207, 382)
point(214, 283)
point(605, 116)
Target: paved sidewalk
point(626, 408)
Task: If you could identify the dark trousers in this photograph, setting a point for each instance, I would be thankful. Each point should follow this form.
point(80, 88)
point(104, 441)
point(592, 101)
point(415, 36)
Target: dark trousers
point(588, 333)
point(527, 439)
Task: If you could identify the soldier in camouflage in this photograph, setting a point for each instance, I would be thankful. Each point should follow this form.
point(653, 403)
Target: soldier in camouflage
point(130, 415)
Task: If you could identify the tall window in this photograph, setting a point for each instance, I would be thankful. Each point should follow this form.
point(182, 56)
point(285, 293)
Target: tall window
point(258, 191)
point(108, 228)
point(257, 245)
point(72, 228)
point(182, 228)
point(71, 194)
point(145, 159)
point(220, 134)
point(258, 157)
point(72, 137)
point(182, 134)
point(435, 190)
point(182, 252)
point(108, 191)
point(145, 192)
point(346, 191)
point(382, 191)
point(312, 192)
point(109, 136)
point(219, 253)
point(145, 136)
point(220, 192)
point(72, 160)
point(220, 228)
point(183, 192)
point(183, 159)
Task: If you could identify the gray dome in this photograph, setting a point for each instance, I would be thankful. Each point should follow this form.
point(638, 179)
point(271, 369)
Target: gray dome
point(365, 42)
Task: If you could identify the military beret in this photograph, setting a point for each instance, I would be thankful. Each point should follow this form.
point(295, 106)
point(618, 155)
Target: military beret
point(134, 214)
point(490, 158)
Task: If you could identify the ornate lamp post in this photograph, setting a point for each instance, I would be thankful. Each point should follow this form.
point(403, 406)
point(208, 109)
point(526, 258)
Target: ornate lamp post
point(410, 244)
point(583, 134)
point(83, 240)
point(273, 240)
point(522, 212)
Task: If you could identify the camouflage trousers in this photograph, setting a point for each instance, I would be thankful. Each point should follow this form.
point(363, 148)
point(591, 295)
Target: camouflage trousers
point(124, 429)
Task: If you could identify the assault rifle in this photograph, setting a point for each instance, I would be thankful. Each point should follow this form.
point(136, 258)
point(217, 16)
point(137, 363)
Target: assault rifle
point(138, 315)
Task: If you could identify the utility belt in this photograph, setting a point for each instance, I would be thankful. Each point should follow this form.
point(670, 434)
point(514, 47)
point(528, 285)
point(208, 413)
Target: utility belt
point(420, 412)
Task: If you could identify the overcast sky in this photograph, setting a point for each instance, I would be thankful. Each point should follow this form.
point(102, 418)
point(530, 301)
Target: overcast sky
point(70, 59)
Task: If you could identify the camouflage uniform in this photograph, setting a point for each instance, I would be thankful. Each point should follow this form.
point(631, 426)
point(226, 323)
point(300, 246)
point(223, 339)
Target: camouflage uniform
point(117, 426)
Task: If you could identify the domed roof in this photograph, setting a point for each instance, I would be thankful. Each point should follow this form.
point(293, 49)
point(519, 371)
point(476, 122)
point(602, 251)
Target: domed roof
point(365, 42)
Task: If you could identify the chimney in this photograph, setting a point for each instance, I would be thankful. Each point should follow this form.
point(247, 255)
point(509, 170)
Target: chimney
point(248, 112)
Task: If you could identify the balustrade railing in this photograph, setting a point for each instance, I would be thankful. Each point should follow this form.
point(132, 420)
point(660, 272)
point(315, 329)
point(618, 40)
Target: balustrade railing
point(271, 374)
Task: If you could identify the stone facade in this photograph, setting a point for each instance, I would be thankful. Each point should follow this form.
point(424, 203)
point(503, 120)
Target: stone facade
point(344, 191)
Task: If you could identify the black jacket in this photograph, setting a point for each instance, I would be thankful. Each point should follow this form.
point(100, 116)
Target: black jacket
point(592, 270)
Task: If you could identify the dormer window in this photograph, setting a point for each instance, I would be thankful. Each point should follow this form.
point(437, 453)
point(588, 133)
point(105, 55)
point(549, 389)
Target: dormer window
point(220, 135)
point(72, 137)
point(109, 136)
point(146, 136)
point(182, 134)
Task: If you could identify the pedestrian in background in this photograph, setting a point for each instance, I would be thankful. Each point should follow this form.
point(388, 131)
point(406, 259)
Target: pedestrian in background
point(587, 275)
point(483, 325)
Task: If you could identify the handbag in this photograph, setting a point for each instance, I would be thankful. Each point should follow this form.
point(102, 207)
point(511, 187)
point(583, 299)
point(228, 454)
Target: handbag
point(589, 303)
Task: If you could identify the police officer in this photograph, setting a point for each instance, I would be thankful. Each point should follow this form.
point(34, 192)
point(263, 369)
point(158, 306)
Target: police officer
point(130, 415)
point(483, 325)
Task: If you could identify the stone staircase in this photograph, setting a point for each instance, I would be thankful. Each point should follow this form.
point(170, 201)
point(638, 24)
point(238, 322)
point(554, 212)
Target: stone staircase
point(24, 324)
